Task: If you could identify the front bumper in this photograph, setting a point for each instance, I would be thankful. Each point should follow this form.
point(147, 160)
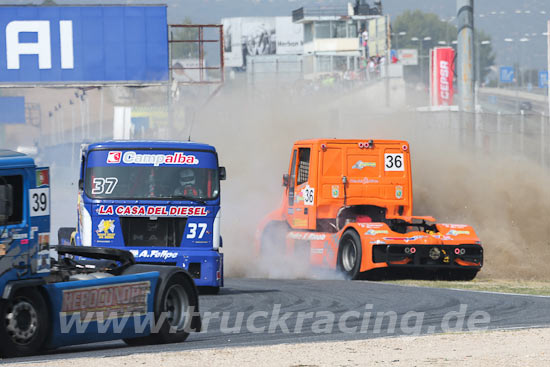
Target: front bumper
point(424, 256)
point(205, 266)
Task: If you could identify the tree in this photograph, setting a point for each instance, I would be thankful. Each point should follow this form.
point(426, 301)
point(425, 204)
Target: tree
point(420, 25)
point(185, 50)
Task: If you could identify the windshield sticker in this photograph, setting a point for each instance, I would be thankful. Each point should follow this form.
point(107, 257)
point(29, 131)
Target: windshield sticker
point(106, 229)
point(360, 165)
point(155, 211)
point(131, 157)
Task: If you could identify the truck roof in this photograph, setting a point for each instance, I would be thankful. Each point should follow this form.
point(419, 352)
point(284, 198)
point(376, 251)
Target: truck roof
point(150, 144)
point(12, 159)
point(344, 141)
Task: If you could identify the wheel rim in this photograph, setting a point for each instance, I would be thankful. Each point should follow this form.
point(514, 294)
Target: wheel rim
point(21, 321)
point(349, 255)
point(176, 305)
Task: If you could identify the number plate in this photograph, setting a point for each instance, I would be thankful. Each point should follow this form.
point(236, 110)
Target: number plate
point(39, 202)
point(393, 162)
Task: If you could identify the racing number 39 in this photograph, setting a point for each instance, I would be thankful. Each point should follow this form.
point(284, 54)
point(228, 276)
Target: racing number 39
point(39, 202)
point(393, 162)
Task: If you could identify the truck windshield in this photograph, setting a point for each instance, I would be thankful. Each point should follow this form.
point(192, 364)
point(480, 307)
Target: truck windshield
point(149, 182)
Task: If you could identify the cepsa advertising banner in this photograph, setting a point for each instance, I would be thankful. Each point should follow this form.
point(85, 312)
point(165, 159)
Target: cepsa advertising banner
point(442, 72)
point(72, 44)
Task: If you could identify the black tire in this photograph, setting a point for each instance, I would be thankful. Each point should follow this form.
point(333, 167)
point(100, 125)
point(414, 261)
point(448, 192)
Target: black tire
point(24, 324)
point(209, 290)
point(177, 298)
point(350, 253)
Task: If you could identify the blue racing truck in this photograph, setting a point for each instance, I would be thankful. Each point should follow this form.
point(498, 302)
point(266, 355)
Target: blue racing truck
point(82, 294)
point(158, 199)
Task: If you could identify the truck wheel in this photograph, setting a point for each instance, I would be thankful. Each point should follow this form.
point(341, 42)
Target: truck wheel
point(24, 324)
point(174, 315)
point(350, 254)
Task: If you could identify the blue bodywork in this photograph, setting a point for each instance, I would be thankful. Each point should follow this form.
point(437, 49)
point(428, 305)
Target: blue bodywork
point(81, 311)
point(22, 260)
point(116, 222)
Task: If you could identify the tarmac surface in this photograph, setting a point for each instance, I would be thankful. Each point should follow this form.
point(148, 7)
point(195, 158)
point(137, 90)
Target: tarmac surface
point(253, 312)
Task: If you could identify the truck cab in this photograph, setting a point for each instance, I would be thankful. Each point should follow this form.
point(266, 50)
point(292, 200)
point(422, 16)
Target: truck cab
point(348, 204)
point(159, 200)
point(25, 207)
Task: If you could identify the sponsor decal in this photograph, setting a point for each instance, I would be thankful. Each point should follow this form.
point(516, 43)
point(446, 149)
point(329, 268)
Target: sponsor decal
point(290, 211)
point(335, 191)
point(374, 232)
point(371, 225)
point(42, 177)
point(154, 254)
point(131, 157)
point(153, 211)
point(364, 180)
point(108, 301)
point(398, 192)
point(114, 157)
point(317, 251)
point(454, 232)
point(299, 222)
point(306, 236)
point(454, 226)
point(405, 239)
point(442, 237)
point(378, 242)
point(360, 165)
point(106, 229)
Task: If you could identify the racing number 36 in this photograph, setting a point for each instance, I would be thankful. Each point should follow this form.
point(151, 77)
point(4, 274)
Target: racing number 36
point(39, 202)
point(393, 162)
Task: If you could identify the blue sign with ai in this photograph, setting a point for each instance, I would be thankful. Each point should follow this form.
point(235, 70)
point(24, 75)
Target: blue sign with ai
point(72, 44)
point(543, 79)
point(506, 74)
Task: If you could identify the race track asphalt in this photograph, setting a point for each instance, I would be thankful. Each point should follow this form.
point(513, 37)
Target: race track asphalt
point(260, 312)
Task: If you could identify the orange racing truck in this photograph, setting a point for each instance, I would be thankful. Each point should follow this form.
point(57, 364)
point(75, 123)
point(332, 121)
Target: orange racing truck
point(348, 204)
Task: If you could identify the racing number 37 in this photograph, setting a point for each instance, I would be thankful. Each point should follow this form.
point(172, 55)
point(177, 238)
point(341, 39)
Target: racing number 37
point(393, 162)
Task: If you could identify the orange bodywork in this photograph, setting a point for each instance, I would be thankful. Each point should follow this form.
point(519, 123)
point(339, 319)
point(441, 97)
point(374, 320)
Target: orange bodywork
point(333, 186)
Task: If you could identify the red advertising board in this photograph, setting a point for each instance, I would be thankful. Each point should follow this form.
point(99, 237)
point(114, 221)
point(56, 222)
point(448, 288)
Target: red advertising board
point(442, 72)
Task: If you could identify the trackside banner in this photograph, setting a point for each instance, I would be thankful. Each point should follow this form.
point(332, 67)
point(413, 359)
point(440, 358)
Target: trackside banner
point(79, 44)
point(442, 69)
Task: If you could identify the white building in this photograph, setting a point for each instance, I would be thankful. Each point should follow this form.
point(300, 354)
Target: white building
point(332, 37)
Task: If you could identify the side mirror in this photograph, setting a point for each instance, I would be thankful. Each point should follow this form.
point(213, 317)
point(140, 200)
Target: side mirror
point(6, 203)
point(286, 180)
point(81, 184)
point(223, 174)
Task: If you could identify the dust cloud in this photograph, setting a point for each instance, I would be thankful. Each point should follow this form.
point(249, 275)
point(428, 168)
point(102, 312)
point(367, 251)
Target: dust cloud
point(501, 195)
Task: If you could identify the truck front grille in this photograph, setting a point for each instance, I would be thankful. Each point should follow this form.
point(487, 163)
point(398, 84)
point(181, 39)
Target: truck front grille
point(145, 232)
